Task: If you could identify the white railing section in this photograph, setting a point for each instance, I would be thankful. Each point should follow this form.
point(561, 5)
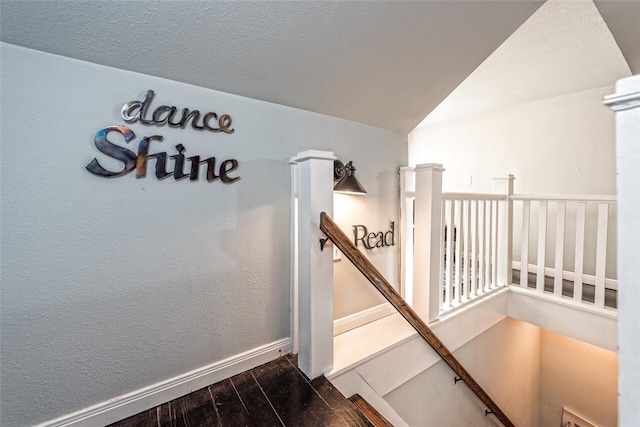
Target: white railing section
point(458, 247)
point(470, 246)
point(583, 218)
point(443, 270)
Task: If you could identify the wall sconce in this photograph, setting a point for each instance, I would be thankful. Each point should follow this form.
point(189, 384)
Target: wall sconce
point(345, 175)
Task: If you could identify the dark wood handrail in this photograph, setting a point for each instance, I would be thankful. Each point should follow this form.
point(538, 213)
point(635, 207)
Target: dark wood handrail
point(335, 234)
point(375, 418)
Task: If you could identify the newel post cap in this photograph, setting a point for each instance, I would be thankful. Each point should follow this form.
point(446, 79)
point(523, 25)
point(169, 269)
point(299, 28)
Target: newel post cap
point(436, 167)
point(314, 154)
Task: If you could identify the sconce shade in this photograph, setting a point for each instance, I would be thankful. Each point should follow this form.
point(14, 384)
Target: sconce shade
point(346, 179)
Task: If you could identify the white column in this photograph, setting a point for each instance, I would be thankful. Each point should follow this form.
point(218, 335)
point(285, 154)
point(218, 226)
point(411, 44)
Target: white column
point(315, 267)
point(427, 277)
point(503, 185)
point(626, 103)
point(407, 192)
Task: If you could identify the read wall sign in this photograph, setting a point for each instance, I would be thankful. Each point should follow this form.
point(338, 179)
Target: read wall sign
point(374, 239)
point(138, 111)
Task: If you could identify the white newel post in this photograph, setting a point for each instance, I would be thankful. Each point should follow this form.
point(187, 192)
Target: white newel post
point(407, 192)
point(427, 278)
point(626, 103)
point(503, 185)
point(315, 267)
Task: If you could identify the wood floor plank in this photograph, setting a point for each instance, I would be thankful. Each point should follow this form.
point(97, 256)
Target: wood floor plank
point(228, 405)
point(293, 358)
point(143, 419)
point(196, 409)
point(294, 399)
point(276, 394)
point(339, 404)
point(259, 410)
point(166, 415)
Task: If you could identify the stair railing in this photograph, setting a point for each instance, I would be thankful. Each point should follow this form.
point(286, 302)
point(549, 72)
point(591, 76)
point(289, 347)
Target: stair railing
point(342, 242)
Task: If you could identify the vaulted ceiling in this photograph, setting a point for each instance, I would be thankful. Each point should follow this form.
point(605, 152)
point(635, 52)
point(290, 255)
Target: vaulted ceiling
point(386, 64)
point(564, 47)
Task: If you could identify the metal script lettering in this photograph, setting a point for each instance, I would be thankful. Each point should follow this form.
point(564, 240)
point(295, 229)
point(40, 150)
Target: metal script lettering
point(131, 161)
point(134, 111)
point(374, 240)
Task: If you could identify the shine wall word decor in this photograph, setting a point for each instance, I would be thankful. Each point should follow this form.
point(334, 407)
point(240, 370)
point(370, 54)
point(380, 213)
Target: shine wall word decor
point(138, 162)
point(373, 239)
point(137, 111)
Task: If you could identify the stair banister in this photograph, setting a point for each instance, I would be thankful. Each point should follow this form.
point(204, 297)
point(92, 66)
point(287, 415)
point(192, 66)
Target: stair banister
point(348, 249)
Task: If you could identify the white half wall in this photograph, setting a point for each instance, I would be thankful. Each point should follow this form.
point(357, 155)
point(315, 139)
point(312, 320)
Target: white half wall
point(112, 285)
point(579, 321)
point(504, 360)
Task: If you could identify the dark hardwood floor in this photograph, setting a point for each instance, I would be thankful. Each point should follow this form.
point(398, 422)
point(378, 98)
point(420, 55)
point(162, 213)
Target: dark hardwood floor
point(275, 394)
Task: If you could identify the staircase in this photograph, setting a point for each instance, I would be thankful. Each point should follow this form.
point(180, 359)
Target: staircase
point(274, 394)
point(374, 417)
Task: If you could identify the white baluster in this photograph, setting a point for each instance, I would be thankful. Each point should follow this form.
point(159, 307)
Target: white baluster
point(581, 209)
point(473, 271)
point(542, 245)
point(601, 253)
point(496, 241)
point(449, 291)
point(465, 257)
point(482, 227)
point(557, 280)
point(488, 208)
point(457, 258)
point(524, 251)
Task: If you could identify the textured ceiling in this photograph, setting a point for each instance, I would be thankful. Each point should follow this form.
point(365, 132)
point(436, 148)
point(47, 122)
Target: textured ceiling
point(387, 64)
point(564, 47)
point(623, 19)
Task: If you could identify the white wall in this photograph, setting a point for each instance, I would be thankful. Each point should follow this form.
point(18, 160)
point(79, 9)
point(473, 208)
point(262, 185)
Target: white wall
point(110, 285)
point(580, 376)
point(504, 360)
point(352, 291)
point(560, 145)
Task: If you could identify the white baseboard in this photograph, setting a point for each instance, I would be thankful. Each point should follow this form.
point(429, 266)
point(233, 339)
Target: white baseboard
point(356, 320)
point(140, 400)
